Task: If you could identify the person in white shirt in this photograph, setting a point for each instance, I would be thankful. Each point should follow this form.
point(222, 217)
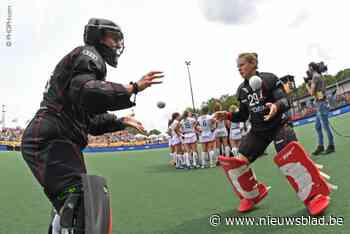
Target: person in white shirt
point(221, 134)
point(171, 146)
point(189, 139)
point(235, 132)
point(176, 141)
point(205, 125)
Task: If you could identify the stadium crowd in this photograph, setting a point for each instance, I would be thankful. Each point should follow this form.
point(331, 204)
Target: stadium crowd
point(308, 108)
point(13, 136)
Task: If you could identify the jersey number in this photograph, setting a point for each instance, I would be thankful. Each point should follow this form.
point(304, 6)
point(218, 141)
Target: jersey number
point(205, 123)
point(253, 99)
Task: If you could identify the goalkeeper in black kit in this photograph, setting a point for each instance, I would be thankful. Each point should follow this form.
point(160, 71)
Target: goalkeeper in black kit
point(75, 104)
point(262, 97)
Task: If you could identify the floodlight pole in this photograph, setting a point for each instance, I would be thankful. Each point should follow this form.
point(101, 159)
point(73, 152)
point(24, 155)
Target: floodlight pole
point(188, 63)
point(3, 116)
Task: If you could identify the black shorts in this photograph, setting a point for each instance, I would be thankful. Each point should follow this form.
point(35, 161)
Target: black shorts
point(55, 162)
point(254, 144)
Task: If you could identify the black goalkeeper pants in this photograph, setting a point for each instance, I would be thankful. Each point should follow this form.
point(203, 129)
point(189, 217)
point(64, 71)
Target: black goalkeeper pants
point(254, 144)
point(56, 163)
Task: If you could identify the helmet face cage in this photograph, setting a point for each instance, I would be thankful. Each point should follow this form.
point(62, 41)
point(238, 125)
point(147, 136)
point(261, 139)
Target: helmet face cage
point(95, 31)
point(117, 36)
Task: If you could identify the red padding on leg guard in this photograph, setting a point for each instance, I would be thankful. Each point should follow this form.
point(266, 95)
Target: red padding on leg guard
point(241, 177)
point(301, 172)
point(110, 222)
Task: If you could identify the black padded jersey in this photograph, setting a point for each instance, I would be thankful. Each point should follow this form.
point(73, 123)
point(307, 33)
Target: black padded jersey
point(253, 103)
point(77, 97)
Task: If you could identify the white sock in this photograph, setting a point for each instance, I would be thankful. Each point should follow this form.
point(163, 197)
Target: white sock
point(194, 158)
point(204, 156)
point(171, 156)
point(182, 160)
point(227, 150)
point(217, 152)
point(211, 157)
point(56, 227)
point(187, 159)
point(178, 160)
point(234, 151)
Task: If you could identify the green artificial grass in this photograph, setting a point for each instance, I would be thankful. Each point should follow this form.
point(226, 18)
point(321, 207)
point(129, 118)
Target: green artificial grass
point(148, 196)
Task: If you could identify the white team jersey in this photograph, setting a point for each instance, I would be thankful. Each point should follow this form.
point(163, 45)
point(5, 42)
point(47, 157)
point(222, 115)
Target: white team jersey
point(169, 131)
point(173, 126)
point(206, 123)
point(187, 125)
point(221, 130)
point(221, 125)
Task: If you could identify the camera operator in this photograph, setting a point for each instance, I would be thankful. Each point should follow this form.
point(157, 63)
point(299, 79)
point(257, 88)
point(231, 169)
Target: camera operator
point(316, 86)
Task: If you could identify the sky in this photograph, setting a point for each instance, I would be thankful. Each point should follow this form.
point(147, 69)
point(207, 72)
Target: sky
point(162, 35)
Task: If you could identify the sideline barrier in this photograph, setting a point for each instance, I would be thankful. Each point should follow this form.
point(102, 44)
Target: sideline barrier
point(3, 147)
point(124, 148)
point(102, 149)
point(312, 118)
point(9, 148)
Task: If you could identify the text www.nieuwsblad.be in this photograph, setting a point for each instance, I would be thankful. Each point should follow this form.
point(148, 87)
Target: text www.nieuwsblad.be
point(216, 220)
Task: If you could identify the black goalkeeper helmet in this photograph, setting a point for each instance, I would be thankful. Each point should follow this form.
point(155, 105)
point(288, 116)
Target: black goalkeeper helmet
point(95, 31)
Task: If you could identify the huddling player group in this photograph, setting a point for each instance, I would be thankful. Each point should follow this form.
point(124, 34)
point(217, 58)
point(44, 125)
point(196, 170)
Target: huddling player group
point(215, 137)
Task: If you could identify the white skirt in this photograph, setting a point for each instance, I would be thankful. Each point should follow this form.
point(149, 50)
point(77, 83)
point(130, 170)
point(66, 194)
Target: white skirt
point(175, 140)
point(190, 138)
point(235, 134)
point(206, 137)
point(220, 133)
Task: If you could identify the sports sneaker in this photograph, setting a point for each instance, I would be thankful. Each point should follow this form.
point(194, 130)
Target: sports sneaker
point(318, 150)
point(330, 149)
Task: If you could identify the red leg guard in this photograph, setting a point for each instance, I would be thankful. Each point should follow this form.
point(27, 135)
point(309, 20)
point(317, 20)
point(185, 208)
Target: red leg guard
point(304, 176)
point(243, 182)
point(110, 222)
